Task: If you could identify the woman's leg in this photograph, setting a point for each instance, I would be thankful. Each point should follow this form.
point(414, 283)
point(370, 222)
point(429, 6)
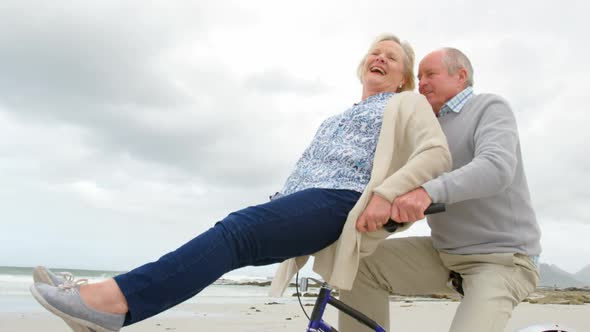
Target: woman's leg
point(294, 225)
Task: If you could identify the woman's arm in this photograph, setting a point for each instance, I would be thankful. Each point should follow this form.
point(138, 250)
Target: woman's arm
point(418, 135)
point(420, 146)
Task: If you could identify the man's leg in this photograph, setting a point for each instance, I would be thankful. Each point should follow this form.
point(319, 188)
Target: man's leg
point(494, 284)
point(408, 266)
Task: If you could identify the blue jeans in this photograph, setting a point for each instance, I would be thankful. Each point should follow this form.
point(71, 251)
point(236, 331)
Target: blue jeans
point(293, 225)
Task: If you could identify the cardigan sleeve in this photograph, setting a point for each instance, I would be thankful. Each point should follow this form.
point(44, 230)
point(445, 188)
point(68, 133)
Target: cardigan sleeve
point(419, 137)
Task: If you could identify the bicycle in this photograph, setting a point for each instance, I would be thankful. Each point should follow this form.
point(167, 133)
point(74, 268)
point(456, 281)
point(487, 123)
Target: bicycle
point(325, 297)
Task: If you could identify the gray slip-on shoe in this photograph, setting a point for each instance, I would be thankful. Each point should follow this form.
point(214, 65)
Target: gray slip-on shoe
point(43, 275)
point(65, 301)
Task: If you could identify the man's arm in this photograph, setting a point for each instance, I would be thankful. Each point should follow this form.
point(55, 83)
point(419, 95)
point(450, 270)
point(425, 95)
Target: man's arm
point(493, 166)
point(490, 172)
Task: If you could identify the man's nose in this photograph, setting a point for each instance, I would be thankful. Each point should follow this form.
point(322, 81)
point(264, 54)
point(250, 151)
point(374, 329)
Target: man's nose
point(421, 83)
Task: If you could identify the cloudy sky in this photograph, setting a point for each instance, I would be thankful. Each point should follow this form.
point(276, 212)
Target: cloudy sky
point(128, 127)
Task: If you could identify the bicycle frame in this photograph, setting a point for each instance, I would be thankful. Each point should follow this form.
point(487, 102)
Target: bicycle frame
point(316, 322)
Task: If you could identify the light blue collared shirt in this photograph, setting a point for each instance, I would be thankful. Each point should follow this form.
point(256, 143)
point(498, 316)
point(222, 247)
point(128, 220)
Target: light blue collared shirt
point(341, 153)
point(456, 103)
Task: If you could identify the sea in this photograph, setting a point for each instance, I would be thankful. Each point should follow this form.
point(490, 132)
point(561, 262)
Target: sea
point(16, 298)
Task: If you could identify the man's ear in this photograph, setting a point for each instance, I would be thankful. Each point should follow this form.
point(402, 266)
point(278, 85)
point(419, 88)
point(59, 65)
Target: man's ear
point(462, 73)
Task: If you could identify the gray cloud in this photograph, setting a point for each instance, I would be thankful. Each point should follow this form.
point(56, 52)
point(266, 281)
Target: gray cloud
point(67, 65)
point(61, 55)
point(277, 81)
point(118, 113)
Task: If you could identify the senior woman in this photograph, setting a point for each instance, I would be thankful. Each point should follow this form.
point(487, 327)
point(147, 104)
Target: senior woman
point(358, 162)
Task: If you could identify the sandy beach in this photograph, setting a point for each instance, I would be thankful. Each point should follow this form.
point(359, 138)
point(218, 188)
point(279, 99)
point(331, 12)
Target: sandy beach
point(243, 304)
point(287, 316)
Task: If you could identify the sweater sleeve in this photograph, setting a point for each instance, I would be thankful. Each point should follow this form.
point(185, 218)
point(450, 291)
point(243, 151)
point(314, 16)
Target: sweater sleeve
point(418, 131)
point(494, 164)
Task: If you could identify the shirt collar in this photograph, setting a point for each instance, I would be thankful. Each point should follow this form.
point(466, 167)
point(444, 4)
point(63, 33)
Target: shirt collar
point(376, 98)
point(456, 103)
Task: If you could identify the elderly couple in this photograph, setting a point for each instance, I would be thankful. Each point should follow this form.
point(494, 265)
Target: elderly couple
point(385, 157)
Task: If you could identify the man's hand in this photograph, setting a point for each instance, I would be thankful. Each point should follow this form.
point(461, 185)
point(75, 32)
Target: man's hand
point(375, 215)
point(410, 206)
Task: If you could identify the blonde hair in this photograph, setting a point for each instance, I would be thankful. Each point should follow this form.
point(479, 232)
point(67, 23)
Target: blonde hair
point(408, 74)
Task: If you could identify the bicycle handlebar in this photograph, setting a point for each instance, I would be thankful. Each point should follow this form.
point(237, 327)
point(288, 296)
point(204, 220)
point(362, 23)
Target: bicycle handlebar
point(392, 225)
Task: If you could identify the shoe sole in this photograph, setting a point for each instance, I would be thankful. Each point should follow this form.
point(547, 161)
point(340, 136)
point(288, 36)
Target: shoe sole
point(41, 275)
point(89, 325)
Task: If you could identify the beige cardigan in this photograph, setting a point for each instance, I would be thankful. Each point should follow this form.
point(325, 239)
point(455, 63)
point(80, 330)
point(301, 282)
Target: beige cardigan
point(411, 150)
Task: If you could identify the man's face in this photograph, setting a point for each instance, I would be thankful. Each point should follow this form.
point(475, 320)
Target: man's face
point(436, 84)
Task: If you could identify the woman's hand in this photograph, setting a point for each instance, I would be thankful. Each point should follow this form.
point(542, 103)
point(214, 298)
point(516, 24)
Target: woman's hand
point(375, 215)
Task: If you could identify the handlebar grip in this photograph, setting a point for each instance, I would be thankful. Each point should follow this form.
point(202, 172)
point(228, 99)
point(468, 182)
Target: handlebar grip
point(435, 208)
point(392, 225)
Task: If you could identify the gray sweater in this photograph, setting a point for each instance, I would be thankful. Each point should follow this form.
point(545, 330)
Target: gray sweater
point(488, 202)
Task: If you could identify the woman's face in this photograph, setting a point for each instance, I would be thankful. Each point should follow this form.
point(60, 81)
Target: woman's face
point(383, 67)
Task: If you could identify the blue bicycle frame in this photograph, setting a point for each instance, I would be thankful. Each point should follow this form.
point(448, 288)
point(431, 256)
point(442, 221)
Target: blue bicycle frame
point(317, 324)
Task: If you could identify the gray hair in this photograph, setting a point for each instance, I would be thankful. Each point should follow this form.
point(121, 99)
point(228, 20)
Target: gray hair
point(454, 60)
point(408, 74)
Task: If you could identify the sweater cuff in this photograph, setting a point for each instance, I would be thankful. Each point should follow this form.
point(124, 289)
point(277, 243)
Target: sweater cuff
point(436, 190)
point(383, 193)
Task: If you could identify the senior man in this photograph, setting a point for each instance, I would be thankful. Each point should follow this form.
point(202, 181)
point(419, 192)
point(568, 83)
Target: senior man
point(487, 242)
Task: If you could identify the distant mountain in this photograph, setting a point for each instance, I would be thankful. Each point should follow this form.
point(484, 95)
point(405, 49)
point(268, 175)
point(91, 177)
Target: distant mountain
point(584, 275)
point(553, 276)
